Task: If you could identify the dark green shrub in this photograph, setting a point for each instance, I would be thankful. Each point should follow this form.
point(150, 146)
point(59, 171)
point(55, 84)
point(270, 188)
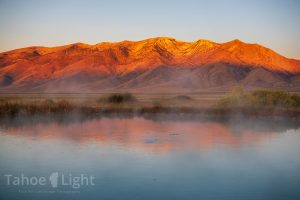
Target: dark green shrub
point(119, 98)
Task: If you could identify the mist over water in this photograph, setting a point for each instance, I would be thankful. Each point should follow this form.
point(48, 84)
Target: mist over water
point(161, 157)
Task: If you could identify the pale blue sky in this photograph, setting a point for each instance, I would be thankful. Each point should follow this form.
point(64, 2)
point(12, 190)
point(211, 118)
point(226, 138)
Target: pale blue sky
point(272, 23)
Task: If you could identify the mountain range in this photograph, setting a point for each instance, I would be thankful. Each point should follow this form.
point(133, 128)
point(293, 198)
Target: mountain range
point(159, 64)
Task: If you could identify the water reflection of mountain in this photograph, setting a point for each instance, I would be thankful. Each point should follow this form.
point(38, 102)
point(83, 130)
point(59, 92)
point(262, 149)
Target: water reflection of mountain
point(154, 135)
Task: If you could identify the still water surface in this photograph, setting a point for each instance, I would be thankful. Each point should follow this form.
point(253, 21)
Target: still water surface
point(138, 158)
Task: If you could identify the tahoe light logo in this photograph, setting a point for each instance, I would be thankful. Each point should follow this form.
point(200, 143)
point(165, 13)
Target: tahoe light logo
point(55, 180)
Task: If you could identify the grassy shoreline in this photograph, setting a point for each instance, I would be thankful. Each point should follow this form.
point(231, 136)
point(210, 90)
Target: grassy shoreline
point(275, 104)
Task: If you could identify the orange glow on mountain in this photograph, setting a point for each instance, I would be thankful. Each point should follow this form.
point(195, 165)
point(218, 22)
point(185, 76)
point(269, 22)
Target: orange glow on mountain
point(45, 63)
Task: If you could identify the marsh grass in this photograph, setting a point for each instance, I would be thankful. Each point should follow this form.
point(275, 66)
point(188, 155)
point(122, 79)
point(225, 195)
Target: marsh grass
point(258, 99)
point(10, 107)
point(238, 101)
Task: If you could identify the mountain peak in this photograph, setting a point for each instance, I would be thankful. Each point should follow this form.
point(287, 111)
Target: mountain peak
point(79, 45)
point(206, 43)
point(162, 38)
point(236, 41)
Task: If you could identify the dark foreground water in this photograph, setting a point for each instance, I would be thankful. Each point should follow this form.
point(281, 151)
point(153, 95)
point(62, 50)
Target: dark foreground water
point(137, 158)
